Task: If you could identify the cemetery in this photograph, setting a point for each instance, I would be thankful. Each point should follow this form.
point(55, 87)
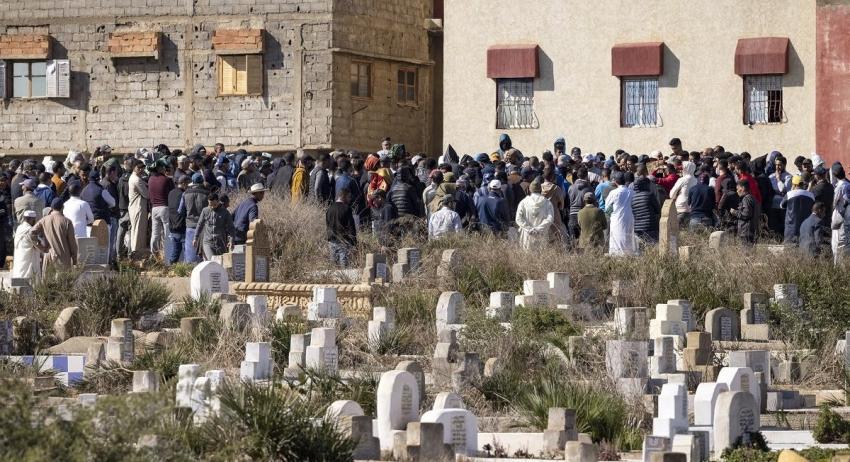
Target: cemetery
point(427, 352)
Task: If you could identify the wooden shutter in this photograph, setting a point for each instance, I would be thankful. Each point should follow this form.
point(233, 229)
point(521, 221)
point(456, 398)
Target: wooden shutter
point(58, 78)
point(242, 75)
point(254, 65)
point(3, 79)
point(227, 75)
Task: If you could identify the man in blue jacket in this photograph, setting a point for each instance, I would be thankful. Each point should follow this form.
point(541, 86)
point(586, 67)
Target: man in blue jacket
point(493, 212)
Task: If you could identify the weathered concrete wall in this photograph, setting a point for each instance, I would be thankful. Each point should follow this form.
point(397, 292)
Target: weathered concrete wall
point(135, 102)
point(390, 35)
point(700, 97)
point(833, 80)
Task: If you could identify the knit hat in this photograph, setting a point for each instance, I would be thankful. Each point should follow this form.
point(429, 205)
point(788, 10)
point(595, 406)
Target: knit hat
point(198, 178)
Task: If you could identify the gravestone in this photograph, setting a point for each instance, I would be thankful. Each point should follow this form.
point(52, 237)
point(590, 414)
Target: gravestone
point(534, 293)
point(121, 343)
point(687, 313)
point(423, 441)
point(449, 310)
point(26, 332)
point(397, 405)
point(736, 415)
point(704, 401)
point(560, 428)
point(68, 324)
point(672, 411)
point(288, 313)
point(626, 359)
point(631, 323)
point(189, 326)
point(468, 373)
point(145, 381)
point(210, 278)
point(663, 359)
point(687, 445)
point(186, 375)
point(235, 316)
point(754, 326)
point(322, 354)
point(720, 239)
point(201, 391)
point(100, 233)
point(87, 251)
point(237, 263)
point(501, 306)
point(216, 381)
point(668, 321)
point(445, 358)
point(343, 408)
point(358, 428)
point(375, 269)
point(447, 400)
point(258, 363)
point(578, 451)
point(414, 368)
point(559, 288)
point(324, 304)
point(668, 236)
point(450, 262)
point(408, 261)
point(298, 344)
point(460, 429)
point(383, 321)
point(258, 252)
point(259, 307)
point(756, 360)
point(722, 324)
point(653, 445)
point(740, 379)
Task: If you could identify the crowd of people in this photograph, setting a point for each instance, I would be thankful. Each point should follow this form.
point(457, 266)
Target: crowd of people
point(175, 204)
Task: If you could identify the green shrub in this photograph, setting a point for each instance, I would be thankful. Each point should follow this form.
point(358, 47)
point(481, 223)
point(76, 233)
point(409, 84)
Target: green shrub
point(748, 455)
point(477, 282)
point(122, 295)
point(280, 333)
point(548, 324)
point(830, 427)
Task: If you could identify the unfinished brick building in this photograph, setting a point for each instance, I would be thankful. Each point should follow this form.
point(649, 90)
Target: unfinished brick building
point(271, 75)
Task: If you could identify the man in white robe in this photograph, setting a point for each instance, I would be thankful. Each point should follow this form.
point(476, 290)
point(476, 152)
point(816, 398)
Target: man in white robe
point(27, 259)
point(138, 211)
point(618, 205)
point(534, 216)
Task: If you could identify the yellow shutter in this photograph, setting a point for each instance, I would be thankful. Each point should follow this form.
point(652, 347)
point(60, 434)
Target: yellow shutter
point(241, 75)
point(255, 74)
point(227, 75)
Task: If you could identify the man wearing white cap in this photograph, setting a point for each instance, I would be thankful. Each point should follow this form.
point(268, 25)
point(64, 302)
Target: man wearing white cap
point(248, 176)
point(27, 259)
point(493, 211)
point(246, 212)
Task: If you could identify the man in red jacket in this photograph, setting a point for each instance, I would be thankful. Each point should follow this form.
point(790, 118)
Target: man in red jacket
point(743, 170)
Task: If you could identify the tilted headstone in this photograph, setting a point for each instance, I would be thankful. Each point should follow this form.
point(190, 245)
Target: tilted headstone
point(668, 236)
point(210, 278)
point(736, 416)
point(460, 429)
point(397, 404)
point(258, 252)
point(68, 324)
point(723, 325)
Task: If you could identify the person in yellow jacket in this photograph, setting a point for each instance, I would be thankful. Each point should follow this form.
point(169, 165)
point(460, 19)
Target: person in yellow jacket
point(300, 181)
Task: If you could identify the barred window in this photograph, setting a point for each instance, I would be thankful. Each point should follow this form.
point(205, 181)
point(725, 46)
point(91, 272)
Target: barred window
point(762, 99)
point(639, 103)
point(514, 103)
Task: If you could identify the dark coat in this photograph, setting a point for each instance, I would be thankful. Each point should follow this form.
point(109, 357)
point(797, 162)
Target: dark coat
point(494, 213)
point(748, 216)
point(646, 210)
point(798, 207)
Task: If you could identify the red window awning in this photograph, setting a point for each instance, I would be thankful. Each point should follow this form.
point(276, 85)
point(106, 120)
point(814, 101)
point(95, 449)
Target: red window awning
point(762, 56)
point(512, 62)
point(637, 59)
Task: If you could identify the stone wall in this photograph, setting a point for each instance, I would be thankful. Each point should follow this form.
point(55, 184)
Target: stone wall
point(390, 35)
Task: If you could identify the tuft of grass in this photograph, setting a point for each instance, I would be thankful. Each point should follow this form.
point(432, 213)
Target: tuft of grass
point(280, 333)
point(121, 295)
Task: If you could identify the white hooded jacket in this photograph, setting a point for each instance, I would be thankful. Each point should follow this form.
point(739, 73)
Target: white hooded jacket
point(534, 216)
point(683, 187)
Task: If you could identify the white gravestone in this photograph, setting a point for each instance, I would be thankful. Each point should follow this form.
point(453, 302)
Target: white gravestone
point(447, 400)
point(186, 375)
point(397, 405)
point(736, 415)
point(322, 354)
point(672, 411)
point(704, 401)
point(258, 363)
point(449, 309)
point(740, 379)
point(343, 408)
point(208, 277)
point(460, 429)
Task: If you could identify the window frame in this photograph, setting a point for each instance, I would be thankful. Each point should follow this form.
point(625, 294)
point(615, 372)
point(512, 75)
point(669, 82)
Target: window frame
point(748, 85)
point(10, 78)
point(624, 105)
point(370, 84)
point(399, 85)
point(245, 59)
point(531, 116)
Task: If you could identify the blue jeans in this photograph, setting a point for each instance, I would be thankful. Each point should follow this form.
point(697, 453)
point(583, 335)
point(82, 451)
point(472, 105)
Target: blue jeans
point(339, 254)
point(189, 254)
point(113, 239)
point(175, 247)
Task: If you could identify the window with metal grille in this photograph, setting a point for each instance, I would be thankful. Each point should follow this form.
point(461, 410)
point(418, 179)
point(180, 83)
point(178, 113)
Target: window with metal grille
point(361, 80)
point(407, 86)
point(29, 79)
point(514, 103)
point(639, 103)
point(762, 99)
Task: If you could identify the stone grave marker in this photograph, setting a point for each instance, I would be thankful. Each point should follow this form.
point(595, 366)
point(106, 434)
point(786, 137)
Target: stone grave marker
point(626, 359)
point(468, 372)
point(358, 428)
point(672, 411)
point(423, 441)
point(100, 233)
point(754, 325)
point(298, 344)
point(447, 400)
point(397, 405)
point(668, 321)
point(235, 315)
point(324, 304)
point(87, 250)
point(322, 354)
point(663, 359)
point(687, 313)
point(687, 445)
point(237, 263)
point(342, 408)
point(534, 293)
point(720, 239)
point(375, 269)
point(450, 261)
point(68, 324)
point(145, 381)
point(736, 415)
point(559, 288)
point(186, 375)
point(121, 343)
point(578, 451)
point(383, 321)
point(740, 379)
point(445, 357)
point(653, 445)
point(501, 306)
point(259, 307)
point(414, 368)
point(631, 323)
point(210, 278)
point(258, 363)
point(449, 310)
point(722, 324)
point(258, 252)
point(757, 360)
point(560, 428)
point(704, 401)
point(668, 236)
point(460, 429)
